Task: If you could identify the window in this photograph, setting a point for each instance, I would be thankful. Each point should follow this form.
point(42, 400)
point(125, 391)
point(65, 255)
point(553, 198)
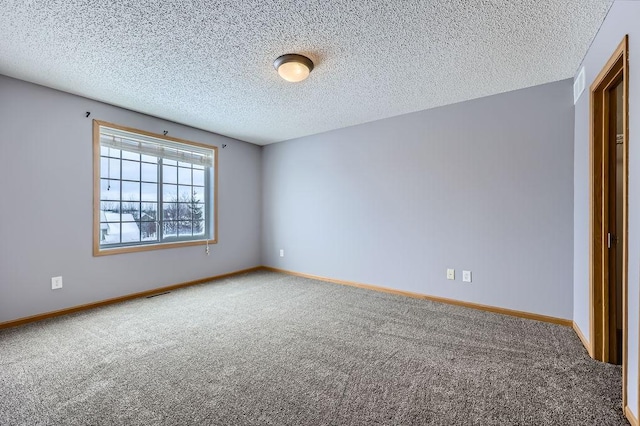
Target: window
point(151, 191)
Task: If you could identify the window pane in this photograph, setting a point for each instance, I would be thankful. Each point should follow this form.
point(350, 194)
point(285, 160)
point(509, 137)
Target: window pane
point(169, 211)
point(103, 166)
point(184, 193)
point(149, 172)
point(169, 193)
point(170, 229)
point(130, 191)
point(149, 212)
point(132, 209)
point(130, 230)
point(109, 189)
point(169, 174)
point(198, 227)
point(184, 176)
point(198, 177)
point(149, 192)
point(198, 211)
point(149, 231)
point(110, 232)
point(197, 193)
point(113, 169)
point(109, 168)
point(169, 162)
point(184, 212)
point(130, 156)
point(109, 206)
point(184, 228)
point(109, 152)
point(149, 159)
point(130, 170)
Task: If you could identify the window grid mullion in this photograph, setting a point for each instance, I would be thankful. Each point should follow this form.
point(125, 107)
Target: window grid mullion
point(120, 197)
point(177, 218)
point(207, 202)
point(139, 221)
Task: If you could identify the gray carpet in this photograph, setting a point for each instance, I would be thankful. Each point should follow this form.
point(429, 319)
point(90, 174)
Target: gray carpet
point(271, 349)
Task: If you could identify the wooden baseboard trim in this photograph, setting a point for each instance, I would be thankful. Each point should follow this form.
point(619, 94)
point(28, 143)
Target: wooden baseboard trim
point(583, 339)
point(629, 415)
point(494, 309)
point(74, 309)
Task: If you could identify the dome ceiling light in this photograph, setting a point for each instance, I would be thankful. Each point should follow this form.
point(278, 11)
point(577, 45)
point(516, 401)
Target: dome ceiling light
point(293, 67)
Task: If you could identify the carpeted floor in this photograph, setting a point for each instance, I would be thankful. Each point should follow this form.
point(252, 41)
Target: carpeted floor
point(272, 349)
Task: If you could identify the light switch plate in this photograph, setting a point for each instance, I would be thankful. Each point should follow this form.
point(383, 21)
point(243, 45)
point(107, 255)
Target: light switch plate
point(466, 276)
point(451, 274)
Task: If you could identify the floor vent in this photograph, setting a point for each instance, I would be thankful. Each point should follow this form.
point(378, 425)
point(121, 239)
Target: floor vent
point(159, 294)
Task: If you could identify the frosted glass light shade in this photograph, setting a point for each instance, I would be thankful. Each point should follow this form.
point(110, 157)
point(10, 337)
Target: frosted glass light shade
point(293, 67)
point(293, 71)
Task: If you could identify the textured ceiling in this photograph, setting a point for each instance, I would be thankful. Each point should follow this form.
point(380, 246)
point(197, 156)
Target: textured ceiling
point(208, 64)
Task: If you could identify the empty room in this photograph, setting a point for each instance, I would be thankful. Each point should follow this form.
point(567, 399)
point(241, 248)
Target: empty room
point(320, 213)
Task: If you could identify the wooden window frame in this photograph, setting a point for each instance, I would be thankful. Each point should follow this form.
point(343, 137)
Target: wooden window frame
point(99, 250)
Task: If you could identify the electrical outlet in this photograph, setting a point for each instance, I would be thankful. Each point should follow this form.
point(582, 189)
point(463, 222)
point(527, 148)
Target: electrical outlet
point(56, 283)
point(281, 252)
point(466, 276)
point(451, 274)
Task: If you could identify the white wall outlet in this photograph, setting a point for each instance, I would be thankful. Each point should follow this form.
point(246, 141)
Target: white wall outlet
point(56, 283)
point(466, 276)
point(281, 252)
point(451, 274)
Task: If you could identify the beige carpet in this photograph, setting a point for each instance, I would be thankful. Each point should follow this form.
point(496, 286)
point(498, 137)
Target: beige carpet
point(271, 349)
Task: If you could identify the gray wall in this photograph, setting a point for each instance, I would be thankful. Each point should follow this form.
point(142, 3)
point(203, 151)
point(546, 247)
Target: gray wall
point(46, 209)
point(622, 19)
point(484, 185)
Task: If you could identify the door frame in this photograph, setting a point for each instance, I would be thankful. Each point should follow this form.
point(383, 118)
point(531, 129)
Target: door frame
point(616, 68)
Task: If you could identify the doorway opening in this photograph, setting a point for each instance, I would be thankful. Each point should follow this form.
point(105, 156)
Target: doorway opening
point(609, 212)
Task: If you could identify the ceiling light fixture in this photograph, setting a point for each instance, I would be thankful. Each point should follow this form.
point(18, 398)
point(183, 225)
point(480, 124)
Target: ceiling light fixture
point(293, 67)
